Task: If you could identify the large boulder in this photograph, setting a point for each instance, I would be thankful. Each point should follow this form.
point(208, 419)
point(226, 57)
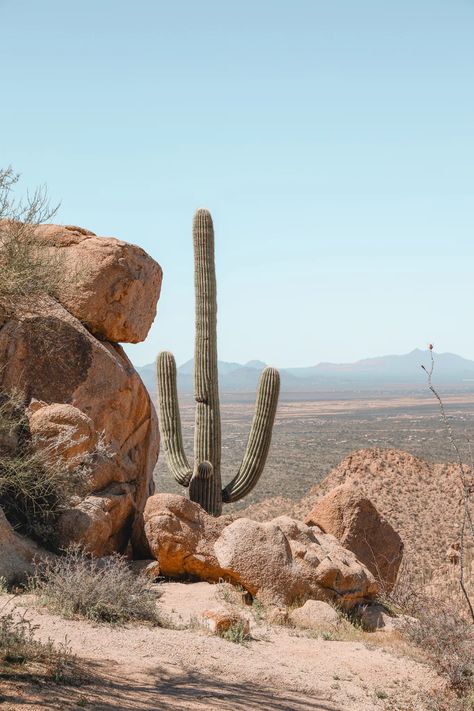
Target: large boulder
point(18, 555)
point(349, 516)
point(116, 285)
point(279, 562)
point(86, 393)
point(180, 535)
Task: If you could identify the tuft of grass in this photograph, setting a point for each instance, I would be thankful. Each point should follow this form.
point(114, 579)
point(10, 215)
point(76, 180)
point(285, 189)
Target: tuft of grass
point(18, 647)
point(102, 590)
point(258, 610)
point(236, 633)
point(328, 636)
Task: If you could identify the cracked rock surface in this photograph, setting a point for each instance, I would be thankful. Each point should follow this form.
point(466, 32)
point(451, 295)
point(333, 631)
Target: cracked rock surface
point(78, 385)
point(280, 562)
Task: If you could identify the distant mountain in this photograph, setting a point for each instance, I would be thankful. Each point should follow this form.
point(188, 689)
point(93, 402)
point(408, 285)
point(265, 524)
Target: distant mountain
point(385, 372)
point(255, 365)
point(393, 369)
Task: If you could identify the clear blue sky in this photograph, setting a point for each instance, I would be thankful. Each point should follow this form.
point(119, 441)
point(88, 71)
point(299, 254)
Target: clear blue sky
point(333, 142)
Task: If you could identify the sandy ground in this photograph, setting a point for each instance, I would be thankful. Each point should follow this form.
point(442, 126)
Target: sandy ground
point(279, 669)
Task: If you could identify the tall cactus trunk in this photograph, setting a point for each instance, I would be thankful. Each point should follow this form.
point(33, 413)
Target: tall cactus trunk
point(204, 478)
point(206, 490)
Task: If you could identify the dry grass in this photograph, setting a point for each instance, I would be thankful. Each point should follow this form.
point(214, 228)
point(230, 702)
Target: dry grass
point(102, 590)
point(447, 639)
point(20, 649)
point(28, 269)
point(35, 483)
point(440, 626)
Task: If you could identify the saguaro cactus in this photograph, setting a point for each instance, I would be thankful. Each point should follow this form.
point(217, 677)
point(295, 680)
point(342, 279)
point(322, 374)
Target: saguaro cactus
point(204, 478)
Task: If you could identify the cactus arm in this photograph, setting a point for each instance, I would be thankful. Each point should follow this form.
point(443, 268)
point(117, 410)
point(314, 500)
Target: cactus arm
point(199, 481)
point(207, 432)
point(259, 439)
point(170, 420)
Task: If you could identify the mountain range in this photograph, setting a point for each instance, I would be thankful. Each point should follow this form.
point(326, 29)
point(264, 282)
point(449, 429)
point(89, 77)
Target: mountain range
point(381, 373)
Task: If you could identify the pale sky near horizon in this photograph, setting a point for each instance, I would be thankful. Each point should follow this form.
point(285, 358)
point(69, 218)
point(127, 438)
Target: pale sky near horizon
point(333, 143)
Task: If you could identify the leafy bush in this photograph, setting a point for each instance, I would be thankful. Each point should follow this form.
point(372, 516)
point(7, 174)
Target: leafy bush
point(102, 590)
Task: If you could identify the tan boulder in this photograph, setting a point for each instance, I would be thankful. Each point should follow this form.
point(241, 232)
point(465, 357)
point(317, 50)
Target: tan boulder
point(316, 615)
point(355, 522)
point(116, 285)
point(180, 536)
point(220, 620)
point(89, 387)
point(279, 562)
point(17, 554)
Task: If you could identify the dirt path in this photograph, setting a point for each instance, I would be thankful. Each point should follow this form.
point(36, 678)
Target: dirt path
point(280, 669)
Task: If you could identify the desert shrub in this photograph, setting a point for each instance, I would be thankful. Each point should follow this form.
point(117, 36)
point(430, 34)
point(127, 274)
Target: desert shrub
point(99, 589)
point(35, 483)
point(444, 700)
point(236, 633)
point(18, 646)
point(447, 638)
point(28, 269)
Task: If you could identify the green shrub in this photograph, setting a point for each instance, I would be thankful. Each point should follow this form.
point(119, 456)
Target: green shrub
point(236, 633)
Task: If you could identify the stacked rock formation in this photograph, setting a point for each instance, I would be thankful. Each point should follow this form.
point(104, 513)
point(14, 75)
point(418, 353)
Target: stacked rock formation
point(280, 562)
point(78, 385)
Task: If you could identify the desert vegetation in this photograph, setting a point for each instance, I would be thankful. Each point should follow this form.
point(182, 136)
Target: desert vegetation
point(36, 482)
point(101, 590)
point(67, 474)
point(28, 269)
point(21, 653)
point(204, 478)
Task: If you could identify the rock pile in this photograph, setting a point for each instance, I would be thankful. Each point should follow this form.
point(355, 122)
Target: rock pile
point(79, 386)
point(280, 562)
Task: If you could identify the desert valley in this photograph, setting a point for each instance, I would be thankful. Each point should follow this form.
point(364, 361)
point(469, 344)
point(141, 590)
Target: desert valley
point(236, 362)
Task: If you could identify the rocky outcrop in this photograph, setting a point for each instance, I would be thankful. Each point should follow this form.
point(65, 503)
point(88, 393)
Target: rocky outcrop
point(116, 284)
point(17, 554)
point(83, 398)
point(279, 562)
point(355, 522)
